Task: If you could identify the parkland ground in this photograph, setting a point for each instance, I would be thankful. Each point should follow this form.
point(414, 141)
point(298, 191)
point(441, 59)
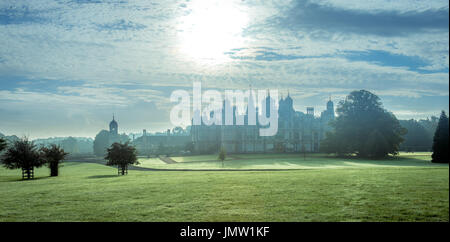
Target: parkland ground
point(258, 187)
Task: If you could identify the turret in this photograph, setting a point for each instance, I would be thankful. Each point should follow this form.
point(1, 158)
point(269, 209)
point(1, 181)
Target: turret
point(113, 127)
point(330, 108)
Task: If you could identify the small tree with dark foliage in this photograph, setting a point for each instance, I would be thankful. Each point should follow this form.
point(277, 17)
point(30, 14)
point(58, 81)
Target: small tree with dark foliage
point(222, 155)
point(53, 155)
point(23, 154)
point(121, 155)
point(440, 141)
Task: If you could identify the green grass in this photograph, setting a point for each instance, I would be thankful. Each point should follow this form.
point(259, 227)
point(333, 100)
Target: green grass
point(196, 158)
point(285, 161)
point(407, 188)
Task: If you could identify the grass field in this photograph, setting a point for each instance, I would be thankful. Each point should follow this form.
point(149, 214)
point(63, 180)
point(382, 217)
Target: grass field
point(284, 161)
point(407, 188)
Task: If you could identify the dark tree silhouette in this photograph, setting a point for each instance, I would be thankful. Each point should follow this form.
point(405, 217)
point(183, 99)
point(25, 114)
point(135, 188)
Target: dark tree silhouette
point(330, 144)
point(23, 154)
point(70, 145)
point(222, 155)
point(101, 143)
point(54, 156)
point(121, 155)
point(360, 116)
point(417, 138)
point(376, 145)
point(440, 141)
point(2, 144)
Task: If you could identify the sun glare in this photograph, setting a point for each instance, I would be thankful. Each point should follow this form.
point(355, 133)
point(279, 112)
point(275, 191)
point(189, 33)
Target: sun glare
point(211, 29)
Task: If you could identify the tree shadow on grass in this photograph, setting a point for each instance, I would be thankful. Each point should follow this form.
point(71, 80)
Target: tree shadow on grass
point(102, 176)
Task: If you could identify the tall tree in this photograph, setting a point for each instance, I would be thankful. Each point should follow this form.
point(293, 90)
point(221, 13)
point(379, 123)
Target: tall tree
point(417, 138)
point(359, 116)
point(331, 144)
point(430, 125)
point(376, 145)
point(23, 154)
point(101, 143)
point(121, 155)
point(440, 141)
point(53, 155)
point(70, 145)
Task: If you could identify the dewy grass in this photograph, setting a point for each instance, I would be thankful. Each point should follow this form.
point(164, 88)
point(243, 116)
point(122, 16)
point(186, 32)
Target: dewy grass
point(407, 188)
point(285, 161)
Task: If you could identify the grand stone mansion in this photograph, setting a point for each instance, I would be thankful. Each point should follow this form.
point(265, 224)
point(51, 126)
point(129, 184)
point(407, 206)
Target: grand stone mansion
point(297, 132)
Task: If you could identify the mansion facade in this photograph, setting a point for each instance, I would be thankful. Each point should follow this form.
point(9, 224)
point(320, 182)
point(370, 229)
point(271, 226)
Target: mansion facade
point(297, 132)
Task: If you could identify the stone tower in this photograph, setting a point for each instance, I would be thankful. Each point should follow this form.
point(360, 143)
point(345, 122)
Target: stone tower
point(113, 127)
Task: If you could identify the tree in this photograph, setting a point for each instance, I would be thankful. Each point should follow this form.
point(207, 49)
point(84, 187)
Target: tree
point(417, 138)
point(23, 154)
point(121, 155)
point(430, 125)
point(359, 116)
point(440, 141)
point(70, 145)
point(222, 155)
point(328, 145)
point(53, 155)
point(376, 145)
point(101, 143)
point(2, 144)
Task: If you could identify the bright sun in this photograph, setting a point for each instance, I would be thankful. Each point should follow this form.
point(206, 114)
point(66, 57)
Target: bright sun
point(212, 28)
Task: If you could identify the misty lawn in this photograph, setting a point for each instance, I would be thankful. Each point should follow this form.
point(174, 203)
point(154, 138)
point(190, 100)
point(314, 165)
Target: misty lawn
point(284, 161)
point(411, 190)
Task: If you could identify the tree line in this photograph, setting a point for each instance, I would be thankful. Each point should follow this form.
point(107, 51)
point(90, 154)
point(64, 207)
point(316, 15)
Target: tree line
point(364, 128)
point(24, 154)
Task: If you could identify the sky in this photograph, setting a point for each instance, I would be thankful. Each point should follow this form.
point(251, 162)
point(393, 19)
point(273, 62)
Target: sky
point(67, 66)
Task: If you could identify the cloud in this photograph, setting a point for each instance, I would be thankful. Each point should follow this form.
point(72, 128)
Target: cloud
point(385, 58)
point(311, 16)
point(121, 25)
point(87, 59)
point(19, 15)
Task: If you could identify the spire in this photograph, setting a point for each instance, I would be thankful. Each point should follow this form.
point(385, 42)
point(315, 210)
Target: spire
point(113, 116)
point(288, 96)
